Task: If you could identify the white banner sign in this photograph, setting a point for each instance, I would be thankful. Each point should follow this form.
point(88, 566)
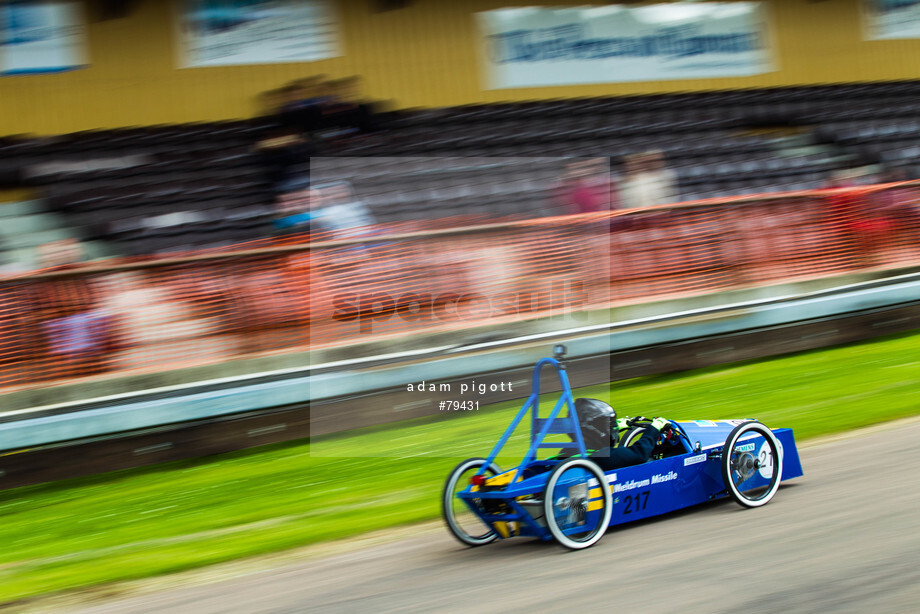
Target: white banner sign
point(532, 47)
point(41, 36)
point(234, 32)
point(886, 19)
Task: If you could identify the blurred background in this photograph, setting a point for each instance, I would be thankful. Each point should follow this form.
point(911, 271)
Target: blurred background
point(218, 210)
point(147, 145)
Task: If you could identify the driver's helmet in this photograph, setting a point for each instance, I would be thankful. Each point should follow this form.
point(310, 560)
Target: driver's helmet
point(598, 423)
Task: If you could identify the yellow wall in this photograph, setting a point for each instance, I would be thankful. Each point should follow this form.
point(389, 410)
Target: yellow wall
point(424, 55)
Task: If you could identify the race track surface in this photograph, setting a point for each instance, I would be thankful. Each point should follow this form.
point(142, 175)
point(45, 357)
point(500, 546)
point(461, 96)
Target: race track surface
point(843, 538)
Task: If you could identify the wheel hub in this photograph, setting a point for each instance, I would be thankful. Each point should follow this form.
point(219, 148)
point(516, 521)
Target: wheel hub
point(745, 465)
point(574, 508)
point(562, 504)
point(580, 510)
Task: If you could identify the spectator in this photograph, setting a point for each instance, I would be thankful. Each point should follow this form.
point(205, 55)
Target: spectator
point(586, 187)
point(337, 115)
point(302, 109)
point(316, 108)
point(353, 109)
point(648, 181)
point(337, 214)
point(335, 208)
point(293, 213)
point(864, 228)
point(287, 145)
point(78, 334)
point(285, 158)
point(901, 205)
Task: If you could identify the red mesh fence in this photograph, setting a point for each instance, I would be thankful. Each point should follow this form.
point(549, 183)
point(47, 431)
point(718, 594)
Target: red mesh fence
point(274, 296)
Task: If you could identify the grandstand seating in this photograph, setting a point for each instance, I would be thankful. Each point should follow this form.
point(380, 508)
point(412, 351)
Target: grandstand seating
point(200, 185)
point(155, 189)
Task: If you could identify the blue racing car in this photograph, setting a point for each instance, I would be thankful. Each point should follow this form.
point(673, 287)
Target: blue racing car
point(571, 499)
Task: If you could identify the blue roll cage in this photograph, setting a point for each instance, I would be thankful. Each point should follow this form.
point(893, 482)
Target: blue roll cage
point(541, 427)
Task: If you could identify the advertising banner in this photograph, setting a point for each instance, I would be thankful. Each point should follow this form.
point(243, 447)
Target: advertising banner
point(534, 47)
point(892, 19)
point(37, 37)
point(235, 32)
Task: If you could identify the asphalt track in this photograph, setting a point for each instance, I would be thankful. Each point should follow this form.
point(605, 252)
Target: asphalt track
point(843, 538)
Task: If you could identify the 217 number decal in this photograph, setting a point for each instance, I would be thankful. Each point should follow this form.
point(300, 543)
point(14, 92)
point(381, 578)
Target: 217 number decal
point(636, 503)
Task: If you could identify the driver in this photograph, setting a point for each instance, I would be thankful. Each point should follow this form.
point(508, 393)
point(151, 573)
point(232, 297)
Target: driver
point(600, 430)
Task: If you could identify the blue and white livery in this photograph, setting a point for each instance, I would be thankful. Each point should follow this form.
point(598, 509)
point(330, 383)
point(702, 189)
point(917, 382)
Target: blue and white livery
point(573, 501)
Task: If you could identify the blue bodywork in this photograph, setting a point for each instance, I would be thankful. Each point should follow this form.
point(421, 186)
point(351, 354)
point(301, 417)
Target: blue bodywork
point(688, 473)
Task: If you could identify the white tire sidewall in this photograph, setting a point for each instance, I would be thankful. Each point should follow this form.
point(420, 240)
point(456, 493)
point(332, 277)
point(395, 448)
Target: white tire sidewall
point(777, 461)
point(447, 501)
point(596, 471)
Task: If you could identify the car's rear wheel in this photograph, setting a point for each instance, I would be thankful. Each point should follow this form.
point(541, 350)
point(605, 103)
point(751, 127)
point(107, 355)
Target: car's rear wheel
point(462, 522)
point(577, 503)
point(752, 464)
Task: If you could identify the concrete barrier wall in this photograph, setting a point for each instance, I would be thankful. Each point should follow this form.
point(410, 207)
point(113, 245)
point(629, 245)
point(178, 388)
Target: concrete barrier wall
point(237, 431)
